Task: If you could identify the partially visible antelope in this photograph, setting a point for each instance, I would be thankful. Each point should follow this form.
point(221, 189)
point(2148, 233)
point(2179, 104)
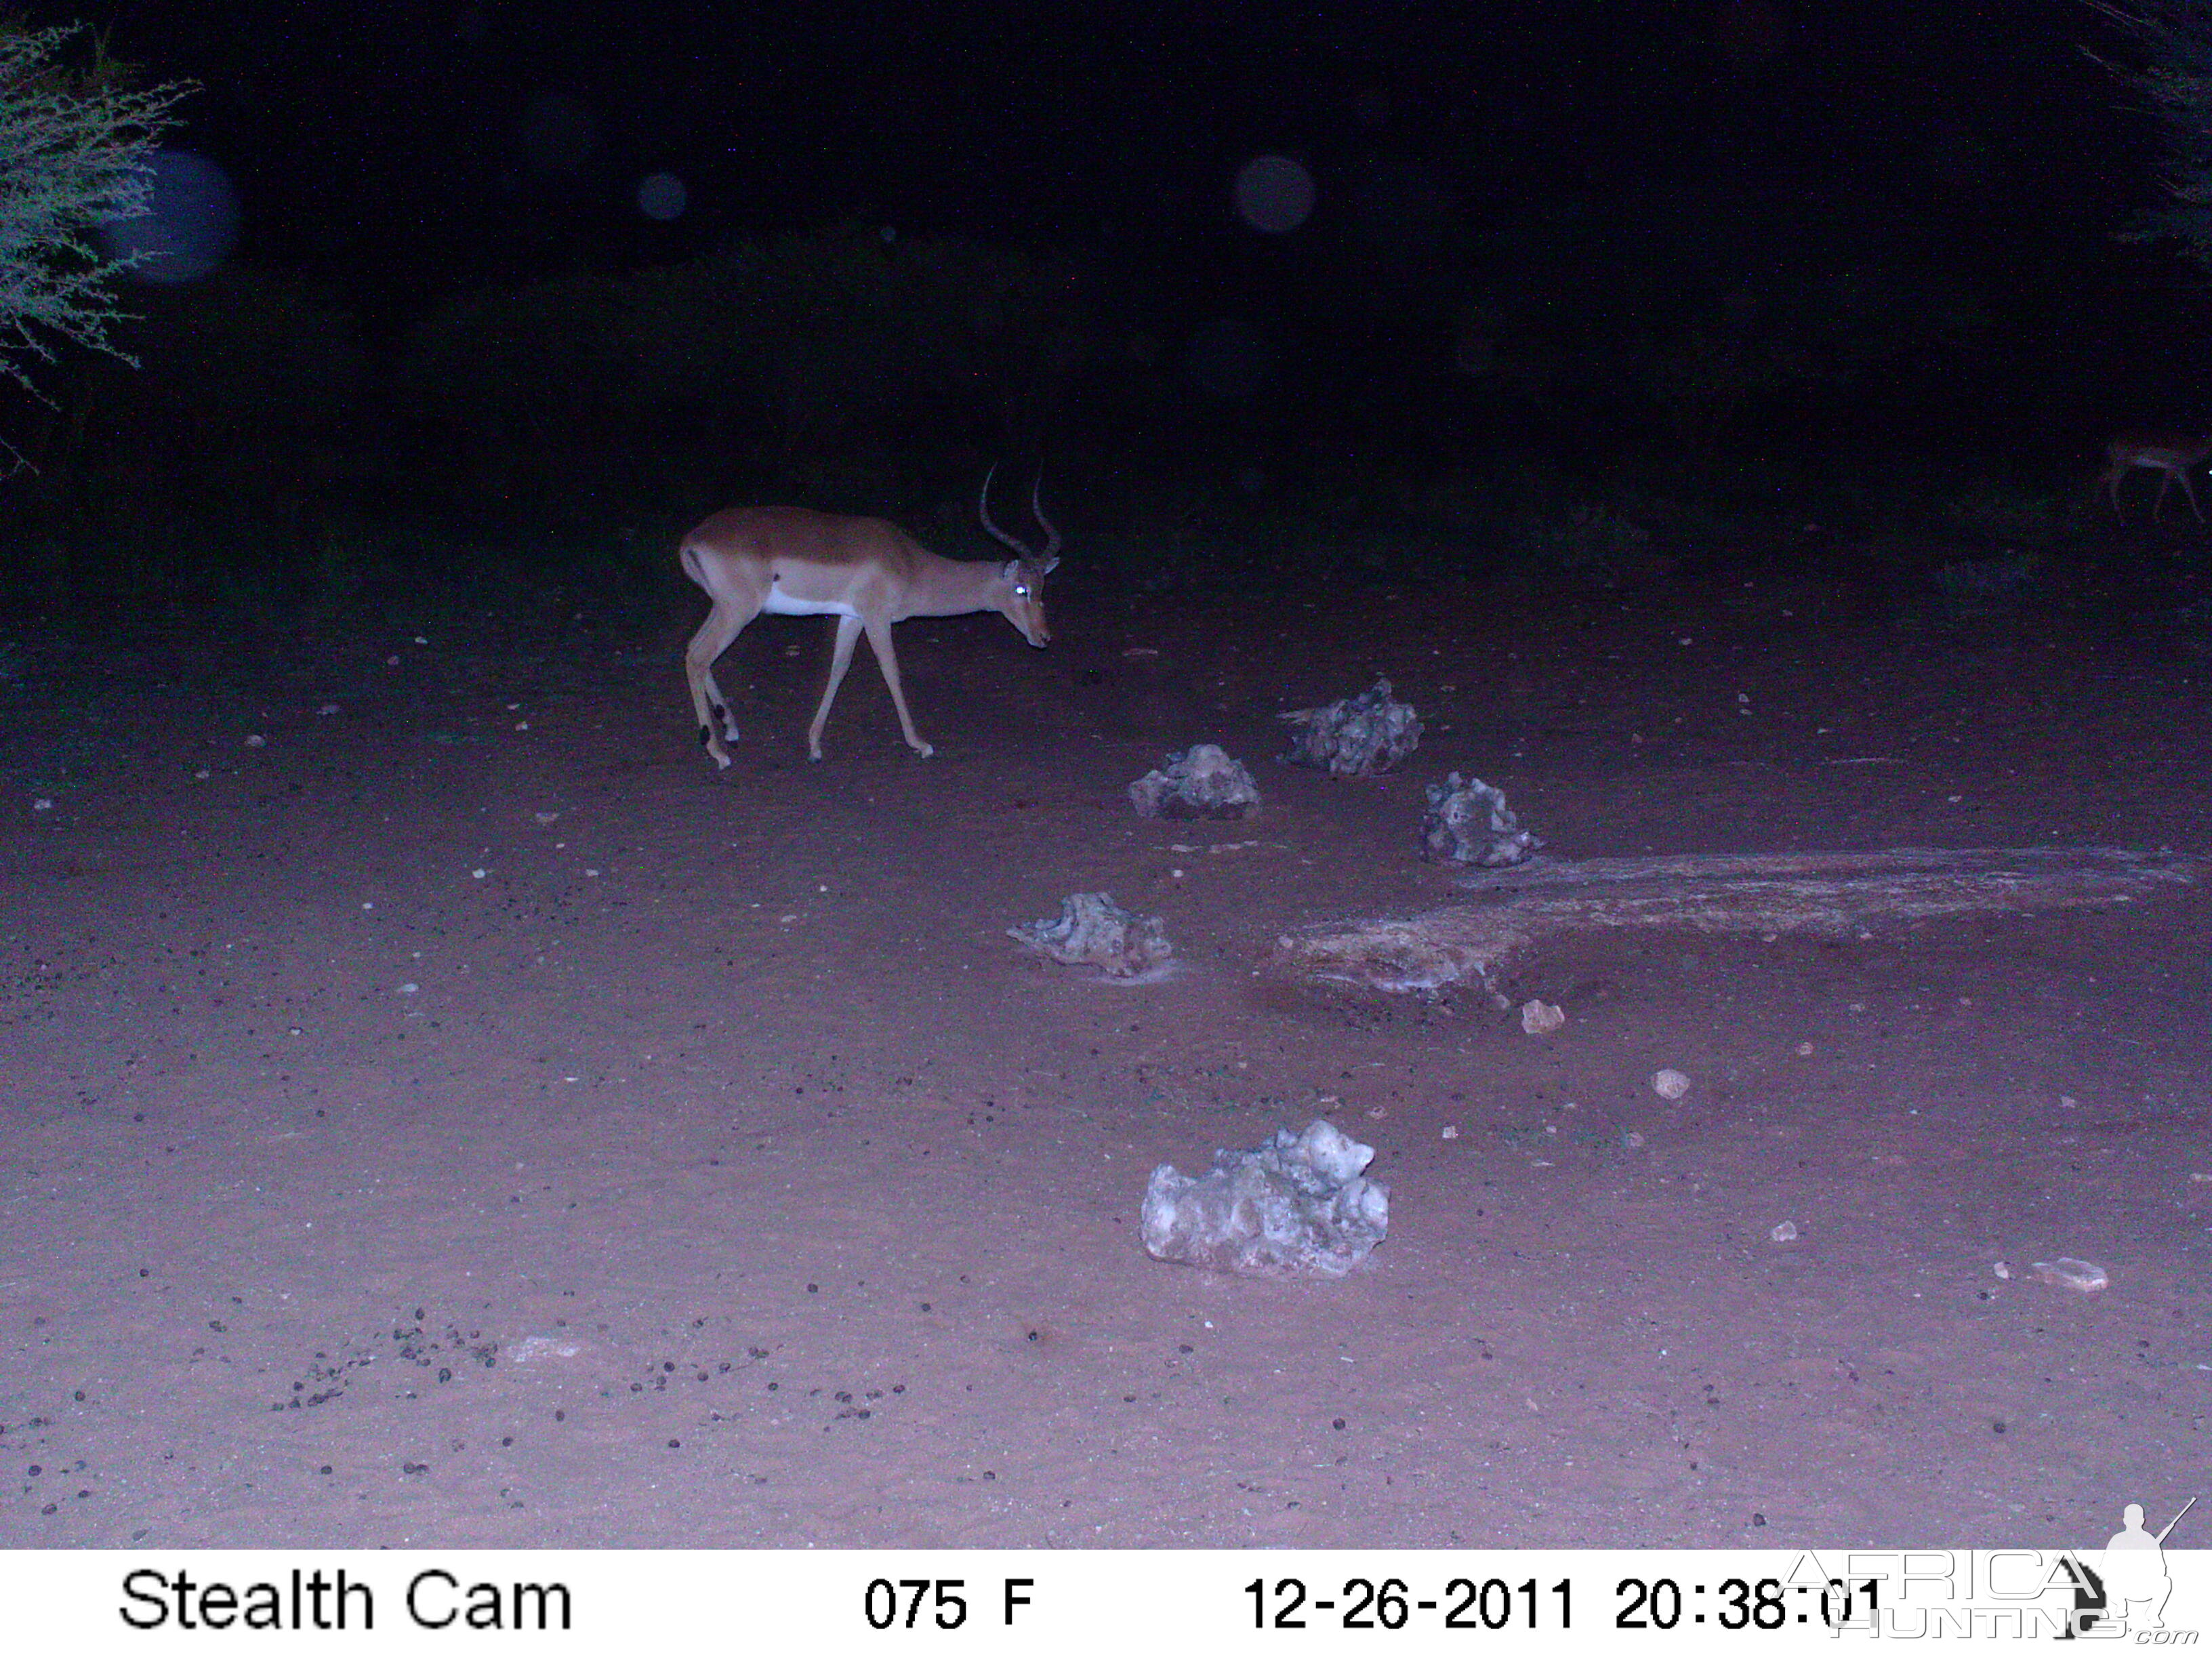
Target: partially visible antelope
point(2163, 452)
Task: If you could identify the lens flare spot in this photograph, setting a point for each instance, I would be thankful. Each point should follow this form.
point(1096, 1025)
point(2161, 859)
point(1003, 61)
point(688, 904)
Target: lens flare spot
point(661, 196)
point(190, 222)
point(1274, 194)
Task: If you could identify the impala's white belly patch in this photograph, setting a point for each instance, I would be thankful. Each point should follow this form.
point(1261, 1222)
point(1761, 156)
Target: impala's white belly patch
point(781, 604)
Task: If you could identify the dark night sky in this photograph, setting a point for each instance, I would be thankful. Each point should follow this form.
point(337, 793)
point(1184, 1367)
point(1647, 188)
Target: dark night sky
point(397, 146)
point(1543, 187)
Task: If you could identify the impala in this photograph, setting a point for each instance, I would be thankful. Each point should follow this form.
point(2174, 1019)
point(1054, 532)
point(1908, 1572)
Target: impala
point(2172, 456)
point(868, 573)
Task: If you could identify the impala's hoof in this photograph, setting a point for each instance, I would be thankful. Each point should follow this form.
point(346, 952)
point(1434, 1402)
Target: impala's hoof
point(924, 751)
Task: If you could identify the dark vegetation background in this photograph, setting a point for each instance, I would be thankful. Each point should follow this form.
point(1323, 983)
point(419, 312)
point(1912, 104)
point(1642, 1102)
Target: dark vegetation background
point(1593, 293)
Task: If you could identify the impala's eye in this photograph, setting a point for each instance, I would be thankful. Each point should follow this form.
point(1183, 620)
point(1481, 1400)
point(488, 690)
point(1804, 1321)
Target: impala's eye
point(1021, 592)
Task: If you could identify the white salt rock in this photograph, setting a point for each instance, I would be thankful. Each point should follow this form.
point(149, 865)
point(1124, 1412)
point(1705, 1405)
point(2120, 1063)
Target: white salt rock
point(1092, 929)
point(1297, 1203)
point(1355, 736)
point(1204, 781)
point(1469, 823)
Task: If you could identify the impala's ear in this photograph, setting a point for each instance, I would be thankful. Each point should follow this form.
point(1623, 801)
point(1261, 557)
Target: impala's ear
point(1012, 572)
point(1049, 566)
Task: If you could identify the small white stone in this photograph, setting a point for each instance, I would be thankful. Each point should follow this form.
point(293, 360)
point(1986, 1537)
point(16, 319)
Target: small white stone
point(1668, 1083)
point(535, 1349)
point(1783, 1232)
point(2070, 1274)
point(1541, 1019)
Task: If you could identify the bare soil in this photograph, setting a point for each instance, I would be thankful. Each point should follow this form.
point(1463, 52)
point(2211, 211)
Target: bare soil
point(441, 1110)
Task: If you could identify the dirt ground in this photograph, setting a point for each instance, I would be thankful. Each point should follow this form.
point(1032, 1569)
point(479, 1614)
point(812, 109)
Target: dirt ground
point(441, 1110)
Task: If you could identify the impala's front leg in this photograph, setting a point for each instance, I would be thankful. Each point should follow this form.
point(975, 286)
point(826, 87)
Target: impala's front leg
point(879, 641)
point(841, 659)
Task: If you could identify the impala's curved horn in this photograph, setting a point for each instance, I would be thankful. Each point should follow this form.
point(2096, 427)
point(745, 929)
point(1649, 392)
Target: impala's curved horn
point(1036, 506)
point(1035, 556)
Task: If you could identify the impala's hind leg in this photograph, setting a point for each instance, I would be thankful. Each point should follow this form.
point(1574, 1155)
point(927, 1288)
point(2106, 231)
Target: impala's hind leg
point(709, 706)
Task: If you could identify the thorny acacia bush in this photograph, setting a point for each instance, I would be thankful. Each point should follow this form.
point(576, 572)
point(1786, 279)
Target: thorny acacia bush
point(74, 152)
